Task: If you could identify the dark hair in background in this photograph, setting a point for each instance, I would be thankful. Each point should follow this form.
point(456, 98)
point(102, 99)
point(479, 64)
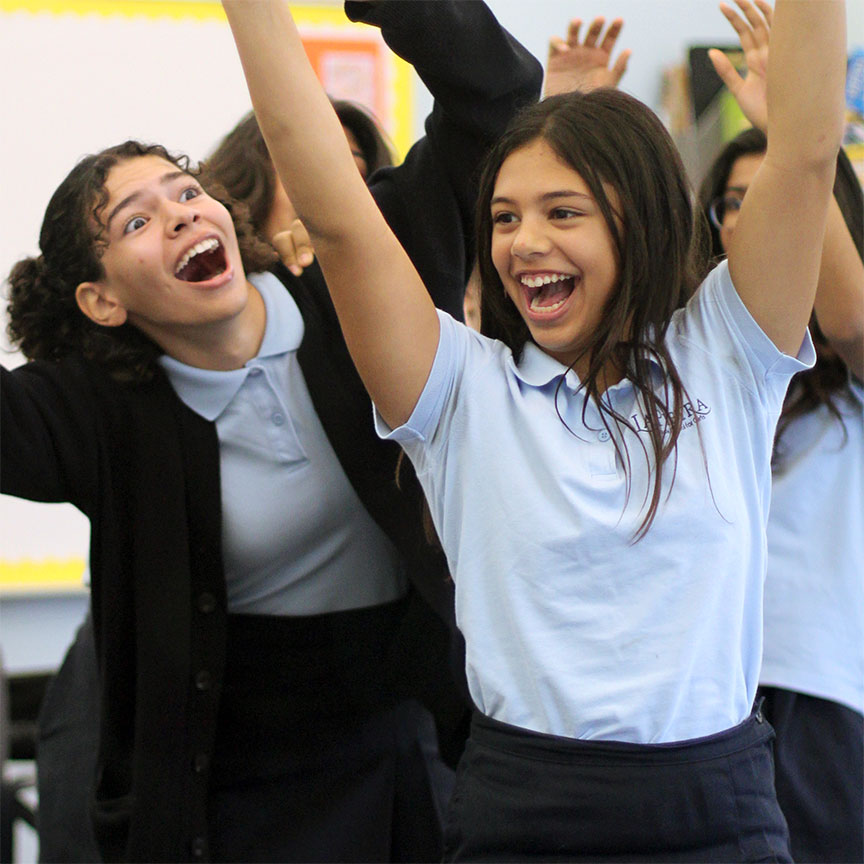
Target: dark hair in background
point(44, 318)
point(376, 151)
point(829, 378)
point(614, 141)
point(242, 164)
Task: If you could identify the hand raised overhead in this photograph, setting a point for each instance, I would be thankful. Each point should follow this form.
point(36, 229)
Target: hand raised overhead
point(751, 91)
point(574, 65)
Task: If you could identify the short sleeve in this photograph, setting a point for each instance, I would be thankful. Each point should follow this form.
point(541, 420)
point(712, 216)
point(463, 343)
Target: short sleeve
point(424, 419)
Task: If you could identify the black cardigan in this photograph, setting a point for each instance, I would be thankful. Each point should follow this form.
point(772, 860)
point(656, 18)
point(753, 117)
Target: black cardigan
point(144, 468)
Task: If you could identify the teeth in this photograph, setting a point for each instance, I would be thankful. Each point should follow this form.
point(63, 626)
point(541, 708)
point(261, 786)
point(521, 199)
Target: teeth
point(536, 307)
point(204, 246)
point(545, 279)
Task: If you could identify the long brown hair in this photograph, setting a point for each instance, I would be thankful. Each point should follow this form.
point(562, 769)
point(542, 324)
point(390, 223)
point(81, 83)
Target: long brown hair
point(608, 137)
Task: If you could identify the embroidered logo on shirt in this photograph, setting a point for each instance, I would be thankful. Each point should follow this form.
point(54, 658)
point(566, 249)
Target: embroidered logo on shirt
point(694, 412)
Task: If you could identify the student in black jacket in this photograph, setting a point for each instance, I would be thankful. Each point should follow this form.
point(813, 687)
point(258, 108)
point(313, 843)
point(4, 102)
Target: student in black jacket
point(238, 720)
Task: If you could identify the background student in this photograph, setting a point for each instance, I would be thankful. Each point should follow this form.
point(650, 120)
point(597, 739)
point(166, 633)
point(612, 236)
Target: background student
point(812, 677)
point(609, 579)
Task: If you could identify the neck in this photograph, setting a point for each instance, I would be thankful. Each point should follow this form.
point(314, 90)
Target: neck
point(228, 344)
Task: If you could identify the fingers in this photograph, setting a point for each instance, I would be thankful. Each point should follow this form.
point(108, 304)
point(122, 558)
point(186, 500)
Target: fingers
point(767, 12)
point(724, 67)
point(620, 66)
point(557, 46)
point(756, 20)
point(745, 34)
point(573, 31)
point(294, 247)
point(753, 32)
point(611, 37)
point(592, 35)
point(594, 31)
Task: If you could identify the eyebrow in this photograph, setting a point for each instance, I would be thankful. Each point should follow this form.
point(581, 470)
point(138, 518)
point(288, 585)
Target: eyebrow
point(741, 189)
point(546, 196)
point(164, 180)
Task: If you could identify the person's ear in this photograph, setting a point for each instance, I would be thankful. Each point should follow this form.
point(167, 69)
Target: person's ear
point(97, 302)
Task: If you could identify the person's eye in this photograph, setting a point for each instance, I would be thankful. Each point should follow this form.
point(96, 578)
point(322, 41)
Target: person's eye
point(564, 213)
point(189, 193)
point(732, 203)
point(134, 224)
point(503, 217)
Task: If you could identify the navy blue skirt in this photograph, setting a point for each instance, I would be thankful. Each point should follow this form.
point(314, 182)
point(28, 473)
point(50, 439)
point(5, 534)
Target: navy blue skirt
point(526, 796)
point(314, 758)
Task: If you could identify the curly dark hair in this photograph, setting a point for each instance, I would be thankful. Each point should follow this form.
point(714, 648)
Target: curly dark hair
point(610, 138)
point(828, 380)
point(44, 319)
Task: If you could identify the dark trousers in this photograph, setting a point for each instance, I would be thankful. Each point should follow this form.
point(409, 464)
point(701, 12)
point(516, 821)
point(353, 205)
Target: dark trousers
point(66, 756)
point(525, 796)
point(819, 759)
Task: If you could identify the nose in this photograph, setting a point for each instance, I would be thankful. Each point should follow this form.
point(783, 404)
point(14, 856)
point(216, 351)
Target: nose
point(530, 240)
point(179, 216)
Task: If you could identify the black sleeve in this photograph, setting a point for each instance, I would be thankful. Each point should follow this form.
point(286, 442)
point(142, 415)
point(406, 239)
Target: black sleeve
point(479, 76)
point(48, 438)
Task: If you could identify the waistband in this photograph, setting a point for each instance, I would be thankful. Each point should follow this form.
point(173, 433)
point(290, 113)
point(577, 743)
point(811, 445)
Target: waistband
point(487, 732)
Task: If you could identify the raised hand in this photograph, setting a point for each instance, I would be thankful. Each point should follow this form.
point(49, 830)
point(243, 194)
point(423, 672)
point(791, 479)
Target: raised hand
point(584, 66)
point(750, 92)
point(294, 247)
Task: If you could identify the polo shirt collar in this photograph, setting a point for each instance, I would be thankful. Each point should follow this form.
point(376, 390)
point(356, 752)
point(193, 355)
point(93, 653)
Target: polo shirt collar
point(208, 391)
point(537, 369)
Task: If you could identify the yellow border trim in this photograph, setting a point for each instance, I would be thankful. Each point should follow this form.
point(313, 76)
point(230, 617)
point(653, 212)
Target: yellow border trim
point(128, 8)
point(49, 574)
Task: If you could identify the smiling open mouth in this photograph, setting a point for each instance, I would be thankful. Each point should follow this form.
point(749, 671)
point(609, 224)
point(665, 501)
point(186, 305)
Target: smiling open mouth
point(548, 292)
point(203, 261)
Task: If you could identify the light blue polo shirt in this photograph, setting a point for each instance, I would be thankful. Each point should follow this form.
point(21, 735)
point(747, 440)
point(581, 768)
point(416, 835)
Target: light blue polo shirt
point(571, 628)
point(814, 591)
point(296, 538)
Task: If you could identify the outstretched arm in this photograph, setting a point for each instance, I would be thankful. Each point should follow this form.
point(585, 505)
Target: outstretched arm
point(839, 303)
point(388, 319)
point(583, 66)
point(776, 250)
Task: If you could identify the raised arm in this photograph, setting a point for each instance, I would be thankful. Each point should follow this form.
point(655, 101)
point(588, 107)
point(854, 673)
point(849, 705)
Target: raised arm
point(776, 249)
point(839, 303)
point(388, 319)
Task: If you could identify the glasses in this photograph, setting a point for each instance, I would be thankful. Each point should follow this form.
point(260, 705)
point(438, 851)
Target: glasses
point(723, 207)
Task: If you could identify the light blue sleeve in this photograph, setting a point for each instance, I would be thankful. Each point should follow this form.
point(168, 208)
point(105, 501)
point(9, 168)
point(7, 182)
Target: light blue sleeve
point(439, 387)
point(719, 320)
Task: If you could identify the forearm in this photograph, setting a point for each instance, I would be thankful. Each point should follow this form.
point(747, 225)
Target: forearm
point(388, 320)
point(806, 79)
point(317, 169)
point(839, 304)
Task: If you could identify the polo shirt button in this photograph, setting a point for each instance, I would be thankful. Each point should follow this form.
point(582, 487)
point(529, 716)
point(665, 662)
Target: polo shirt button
point(203, 680)
point(255, 371)
point(199, 846)
point(199, 763)
point(603, 435)
point(206, 602)
point(277, 418)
